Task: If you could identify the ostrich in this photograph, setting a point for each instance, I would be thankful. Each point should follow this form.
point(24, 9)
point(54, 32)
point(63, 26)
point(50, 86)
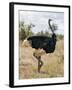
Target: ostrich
point(43, 42)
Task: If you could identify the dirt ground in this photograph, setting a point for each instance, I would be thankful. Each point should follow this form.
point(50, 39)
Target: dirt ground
point(53, 63)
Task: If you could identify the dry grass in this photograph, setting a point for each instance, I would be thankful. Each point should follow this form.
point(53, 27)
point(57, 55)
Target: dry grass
point(53, 63)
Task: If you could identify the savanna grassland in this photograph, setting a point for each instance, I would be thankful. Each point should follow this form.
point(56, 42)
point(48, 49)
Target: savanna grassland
point(53, 63)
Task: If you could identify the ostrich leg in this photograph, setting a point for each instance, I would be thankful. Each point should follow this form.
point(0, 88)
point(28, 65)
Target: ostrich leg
point(40, 63)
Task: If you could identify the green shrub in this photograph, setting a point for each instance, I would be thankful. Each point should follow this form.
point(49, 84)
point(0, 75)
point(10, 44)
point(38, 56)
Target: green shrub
point(24, 31)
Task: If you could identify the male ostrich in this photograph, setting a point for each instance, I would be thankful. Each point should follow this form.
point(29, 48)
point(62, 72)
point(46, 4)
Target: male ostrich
point(43, 42)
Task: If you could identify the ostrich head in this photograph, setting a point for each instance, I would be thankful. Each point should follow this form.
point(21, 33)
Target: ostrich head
point(50, 20)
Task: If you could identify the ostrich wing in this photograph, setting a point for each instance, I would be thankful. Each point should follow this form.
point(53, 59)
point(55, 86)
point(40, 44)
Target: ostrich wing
point(38, 41)
point(42, 42)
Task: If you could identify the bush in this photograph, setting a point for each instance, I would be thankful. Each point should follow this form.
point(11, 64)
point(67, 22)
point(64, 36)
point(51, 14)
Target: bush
point(24, 31)
point(22, 34)
point(60, 37)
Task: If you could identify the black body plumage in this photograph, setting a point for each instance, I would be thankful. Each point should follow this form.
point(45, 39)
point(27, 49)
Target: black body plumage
point(43, 42)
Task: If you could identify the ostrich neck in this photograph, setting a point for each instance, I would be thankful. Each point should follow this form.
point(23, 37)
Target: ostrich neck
point(50, 25)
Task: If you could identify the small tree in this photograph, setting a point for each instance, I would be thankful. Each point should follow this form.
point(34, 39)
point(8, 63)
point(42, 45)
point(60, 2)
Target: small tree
point(22, 34)
point(24, 31)
point(54, 26)
point(42, 33)
point(46, 33)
